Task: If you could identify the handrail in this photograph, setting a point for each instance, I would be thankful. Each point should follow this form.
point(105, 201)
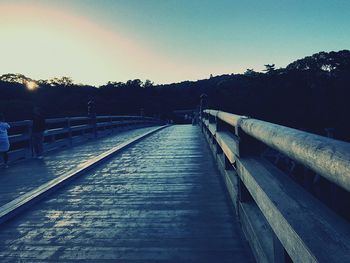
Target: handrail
point(229, 118)
point(67, 128)
point(325, 156)
point(277, 215)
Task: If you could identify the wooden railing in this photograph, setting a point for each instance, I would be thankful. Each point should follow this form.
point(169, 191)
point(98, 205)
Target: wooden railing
point(67, 131)
point(280, 219)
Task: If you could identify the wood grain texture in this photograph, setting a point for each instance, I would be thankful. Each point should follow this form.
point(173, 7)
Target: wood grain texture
point(162, 200)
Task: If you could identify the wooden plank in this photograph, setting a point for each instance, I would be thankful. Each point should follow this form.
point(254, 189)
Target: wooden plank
point(230, 179)
point(229, 144)
point(229, 118)
point(229, 175)
point(19, 137)
point(80, 127)
point(21, 203)
point(18, 154)
point(79, 118)
point(327, 157)
point(308, 230)
point(212, 128)
point(56, 131)
point(161, 201)
point(212, 112)
point(257, 232)
point(55, 120)
point(56, 144)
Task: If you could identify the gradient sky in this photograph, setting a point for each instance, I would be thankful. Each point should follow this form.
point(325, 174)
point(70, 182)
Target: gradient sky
point(164, 40)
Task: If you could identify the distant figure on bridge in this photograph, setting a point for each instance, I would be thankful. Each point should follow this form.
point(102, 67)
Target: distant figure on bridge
point(195, 118)
point(91, 108)
point(92, 115)
point(4, 139)
point(203, 103)
point(38, 132)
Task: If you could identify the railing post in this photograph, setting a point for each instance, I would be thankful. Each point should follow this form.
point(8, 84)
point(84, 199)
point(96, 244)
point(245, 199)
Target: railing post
point(218, 127)
point(94, 126)
point(212, 120)
point(110, 124)
point(68, 126)
point(30, 142)
point(219, 124)
point(247, 144)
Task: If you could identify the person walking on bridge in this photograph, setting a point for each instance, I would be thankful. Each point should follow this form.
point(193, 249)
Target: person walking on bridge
point(4, 139)
point(92, 116)
point(38, 133)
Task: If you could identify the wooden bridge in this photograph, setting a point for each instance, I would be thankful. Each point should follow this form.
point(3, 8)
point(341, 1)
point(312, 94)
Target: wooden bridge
point(131, 189)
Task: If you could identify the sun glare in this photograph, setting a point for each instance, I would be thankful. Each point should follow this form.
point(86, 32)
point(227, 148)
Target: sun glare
point(31, 85)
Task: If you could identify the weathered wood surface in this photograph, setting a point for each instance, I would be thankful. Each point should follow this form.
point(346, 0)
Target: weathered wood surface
point(24, 176)
point(277, 214)
point(63, 132)
point(160, 201)
point(308, 230)
point(26, 201)
point(327, 157)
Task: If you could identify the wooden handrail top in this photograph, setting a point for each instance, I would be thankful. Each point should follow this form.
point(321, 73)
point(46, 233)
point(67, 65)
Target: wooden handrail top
point(66, 124)
point(277, 213)
point(328, 157)
point(14, 124)
point(56, 120)
point(229, 118)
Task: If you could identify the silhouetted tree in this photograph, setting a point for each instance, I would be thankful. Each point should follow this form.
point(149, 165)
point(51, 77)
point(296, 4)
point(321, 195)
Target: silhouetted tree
point(62, 81)
point(311, 93)
point(148, 84)
point(269, 68)
point(251, 72)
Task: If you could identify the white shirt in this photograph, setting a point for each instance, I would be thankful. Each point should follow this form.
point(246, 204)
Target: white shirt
point(4, 139)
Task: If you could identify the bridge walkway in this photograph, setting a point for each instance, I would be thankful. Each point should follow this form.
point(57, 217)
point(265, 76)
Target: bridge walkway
point(161, 200)
point(26, 175)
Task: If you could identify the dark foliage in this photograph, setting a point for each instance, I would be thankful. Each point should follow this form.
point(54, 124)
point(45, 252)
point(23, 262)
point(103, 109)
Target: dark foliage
point(311, 93)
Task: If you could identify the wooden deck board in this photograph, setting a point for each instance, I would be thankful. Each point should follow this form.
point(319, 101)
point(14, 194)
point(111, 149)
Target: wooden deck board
point(24, 176)
point(162, 200)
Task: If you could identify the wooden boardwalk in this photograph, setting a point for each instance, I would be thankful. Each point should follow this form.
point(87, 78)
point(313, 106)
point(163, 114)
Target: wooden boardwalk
point(31, 173)
point(162, 200)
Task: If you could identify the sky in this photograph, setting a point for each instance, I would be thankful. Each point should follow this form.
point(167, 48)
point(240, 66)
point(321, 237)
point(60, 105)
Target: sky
point(166, 41)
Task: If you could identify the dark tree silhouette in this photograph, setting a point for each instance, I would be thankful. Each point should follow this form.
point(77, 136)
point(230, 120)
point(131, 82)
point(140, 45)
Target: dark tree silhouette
point(269, 68)
point(310, 93)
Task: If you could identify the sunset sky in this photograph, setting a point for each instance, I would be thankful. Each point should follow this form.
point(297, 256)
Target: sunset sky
point(165, 41)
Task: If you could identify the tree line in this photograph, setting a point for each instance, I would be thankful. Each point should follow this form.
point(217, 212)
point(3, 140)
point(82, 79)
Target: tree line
point(311, 93)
